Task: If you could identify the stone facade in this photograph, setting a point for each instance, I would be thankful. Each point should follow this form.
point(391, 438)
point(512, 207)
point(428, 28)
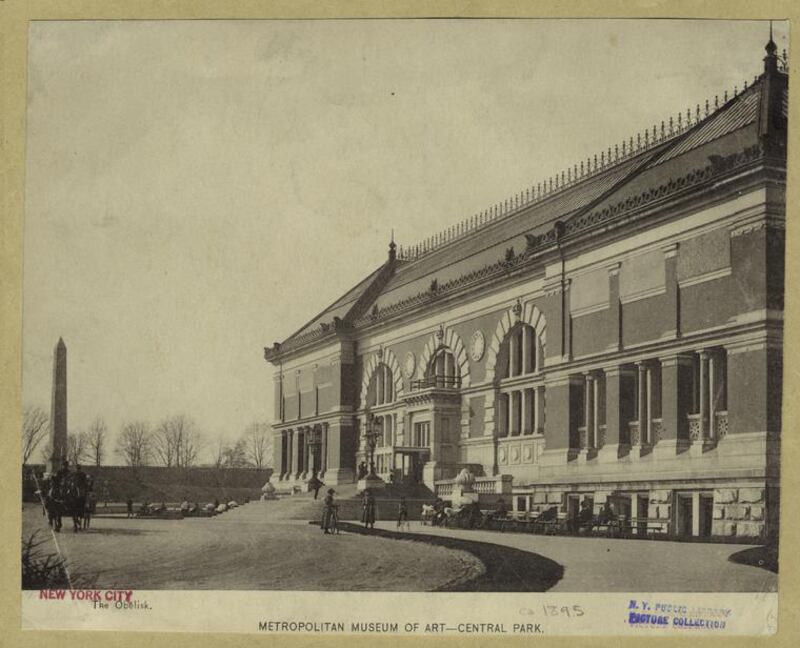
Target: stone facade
point(616, 337)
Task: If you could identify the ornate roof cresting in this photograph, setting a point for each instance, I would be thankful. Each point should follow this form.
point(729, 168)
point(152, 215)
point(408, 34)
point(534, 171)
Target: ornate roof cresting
point(629, 148)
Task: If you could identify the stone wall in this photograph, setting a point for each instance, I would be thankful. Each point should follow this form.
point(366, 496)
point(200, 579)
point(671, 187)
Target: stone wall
point(739, 512)
point(157, 483)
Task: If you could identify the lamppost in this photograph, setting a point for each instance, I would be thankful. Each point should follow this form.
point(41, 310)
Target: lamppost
point(314, 442)
point(371, 480)
point(371, 438)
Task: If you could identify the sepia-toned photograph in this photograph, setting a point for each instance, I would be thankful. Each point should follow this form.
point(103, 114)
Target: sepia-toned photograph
point(404, 306)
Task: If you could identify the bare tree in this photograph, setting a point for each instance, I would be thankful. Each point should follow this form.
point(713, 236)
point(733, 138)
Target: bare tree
point(34, 430)
point(133, 444)
point(77, 446)
point(46, 452)
point(257, 446)
point(176, 442)
point(218, 457)
point(96, 441)
point(235, 455)
point(163, 444)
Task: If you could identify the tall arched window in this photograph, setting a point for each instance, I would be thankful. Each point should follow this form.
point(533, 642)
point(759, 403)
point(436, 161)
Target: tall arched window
point(381, 386)
point(520, 402)
point(443, 370)
point(519, 352)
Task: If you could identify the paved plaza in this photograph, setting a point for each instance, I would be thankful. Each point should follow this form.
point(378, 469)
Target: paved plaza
point(622, 565)
point(247, 549)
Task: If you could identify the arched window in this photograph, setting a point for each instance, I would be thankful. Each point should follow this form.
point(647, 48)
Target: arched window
point(443, 370)
point(520, 404)
point(381, 386)
point(519, 352)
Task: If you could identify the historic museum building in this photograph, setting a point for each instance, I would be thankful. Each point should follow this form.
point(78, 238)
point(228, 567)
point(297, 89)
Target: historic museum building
point(612, 334)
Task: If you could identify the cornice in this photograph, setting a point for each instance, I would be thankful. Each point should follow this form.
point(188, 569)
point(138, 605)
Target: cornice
point(570, 231)
point(576, 229)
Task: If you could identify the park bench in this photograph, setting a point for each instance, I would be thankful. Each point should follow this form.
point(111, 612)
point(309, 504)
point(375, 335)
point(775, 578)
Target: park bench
point(635, 526)
point(169, 514)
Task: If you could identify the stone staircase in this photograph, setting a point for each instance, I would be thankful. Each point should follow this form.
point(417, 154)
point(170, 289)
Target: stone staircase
point(303, 506)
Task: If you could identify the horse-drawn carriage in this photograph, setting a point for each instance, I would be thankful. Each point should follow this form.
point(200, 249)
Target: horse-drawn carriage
point(66, 495)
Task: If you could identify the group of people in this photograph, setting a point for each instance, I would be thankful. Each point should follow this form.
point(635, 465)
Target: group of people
point(330, 511)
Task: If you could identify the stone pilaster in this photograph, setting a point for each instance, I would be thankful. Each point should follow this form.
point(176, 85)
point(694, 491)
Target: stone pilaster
point(324, 450)
point(614, 309)
point(278, 459)
point(619, 410)
point(563, 419)
point(342, 445)
point(676, 398)
point(672, 291)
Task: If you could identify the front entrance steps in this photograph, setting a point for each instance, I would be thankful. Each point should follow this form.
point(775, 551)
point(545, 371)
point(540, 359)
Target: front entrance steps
point(303, 506)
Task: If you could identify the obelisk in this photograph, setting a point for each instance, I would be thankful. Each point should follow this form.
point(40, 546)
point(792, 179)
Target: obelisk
point(58, 411)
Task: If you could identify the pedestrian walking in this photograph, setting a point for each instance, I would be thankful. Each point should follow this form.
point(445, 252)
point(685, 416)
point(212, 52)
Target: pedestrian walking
point(402, 514)
point(368, 513)
point(329, 513)
point(315, 484)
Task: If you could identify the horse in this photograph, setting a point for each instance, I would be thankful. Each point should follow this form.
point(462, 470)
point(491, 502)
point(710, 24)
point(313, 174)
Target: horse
point(67, 498)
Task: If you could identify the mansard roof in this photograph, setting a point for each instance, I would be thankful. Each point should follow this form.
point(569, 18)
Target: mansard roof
point(490, 242)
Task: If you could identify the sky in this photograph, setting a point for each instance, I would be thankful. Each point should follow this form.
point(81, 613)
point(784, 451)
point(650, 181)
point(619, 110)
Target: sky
point(196, 190)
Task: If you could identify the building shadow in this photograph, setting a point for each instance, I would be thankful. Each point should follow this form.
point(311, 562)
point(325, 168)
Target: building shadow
point(765, 557)
point(506, 569)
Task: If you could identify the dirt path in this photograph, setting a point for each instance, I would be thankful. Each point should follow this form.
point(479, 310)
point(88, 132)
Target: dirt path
point(227, 552)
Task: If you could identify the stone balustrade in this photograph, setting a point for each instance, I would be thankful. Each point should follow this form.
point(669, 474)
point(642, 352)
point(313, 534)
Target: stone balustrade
point(657, 429)
point(721, 424)
point(633, 430)
point(694, 426)
point(482, 486)
point(582, 437)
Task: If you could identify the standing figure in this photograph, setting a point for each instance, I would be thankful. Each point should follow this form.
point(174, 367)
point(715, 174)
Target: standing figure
point(91, 506)
point(129, 506)
point(329, 514)
point(402, 513)
point(362, 470)
point(315, 484)
point(368, 514)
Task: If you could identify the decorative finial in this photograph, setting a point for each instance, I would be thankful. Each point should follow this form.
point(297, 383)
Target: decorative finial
point(517, 309)
point(771, 47)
